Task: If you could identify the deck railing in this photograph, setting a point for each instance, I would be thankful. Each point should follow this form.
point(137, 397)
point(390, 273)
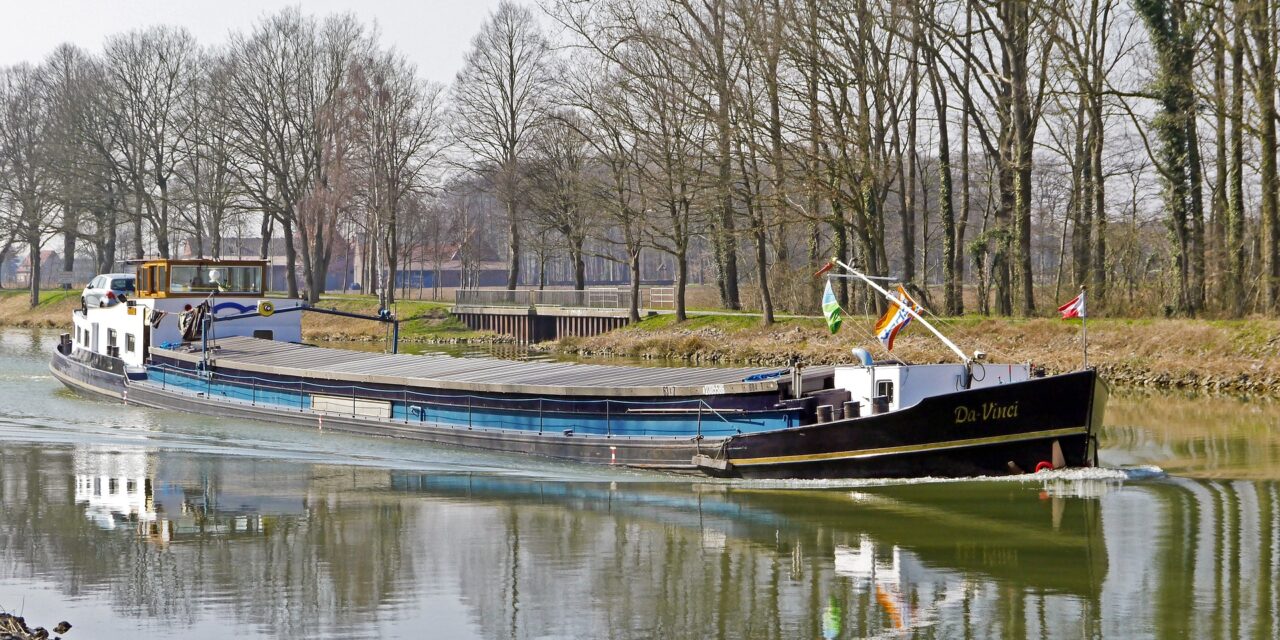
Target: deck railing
point(598, 298)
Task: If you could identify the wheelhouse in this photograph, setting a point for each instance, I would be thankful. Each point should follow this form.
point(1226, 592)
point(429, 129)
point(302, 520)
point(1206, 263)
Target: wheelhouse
point(192, 278)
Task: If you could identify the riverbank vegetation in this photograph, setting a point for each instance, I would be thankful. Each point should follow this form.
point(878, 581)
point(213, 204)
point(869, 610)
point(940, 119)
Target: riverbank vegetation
point(420, 321)
point(1227, 356)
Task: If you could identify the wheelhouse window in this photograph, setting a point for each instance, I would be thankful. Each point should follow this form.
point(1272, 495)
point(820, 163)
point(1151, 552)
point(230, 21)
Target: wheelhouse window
point(129, 343)
point(885, 388)
point(111, 338)
point(216, 278)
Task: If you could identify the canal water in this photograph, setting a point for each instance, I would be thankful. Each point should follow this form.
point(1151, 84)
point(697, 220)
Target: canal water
point(136, 523)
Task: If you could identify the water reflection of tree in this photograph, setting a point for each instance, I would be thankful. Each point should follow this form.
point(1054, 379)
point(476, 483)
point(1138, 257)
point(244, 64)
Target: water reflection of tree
point(324, 569)
point(339, 546)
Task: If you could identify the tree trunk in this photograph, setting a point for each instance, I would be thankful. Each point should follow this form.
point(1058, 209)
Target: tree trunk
point(633, 309)
point(290, 259)
point(139, 252)
point(33, 245)
point(513, 240)
point(579, 264)
point(1269, 225)
point(946, 206)
point(1235, 205)
point(682, 282)
point(1099, 191)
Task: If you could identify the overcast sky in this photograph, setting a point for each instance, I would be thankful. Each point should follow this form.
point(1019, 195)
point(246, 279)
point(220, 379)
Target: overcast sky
point(434, 34)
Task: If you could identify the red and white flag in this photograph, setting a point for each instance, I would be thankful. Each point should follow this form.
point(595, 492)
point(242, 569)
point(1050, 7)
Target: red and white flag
point(1073, 309)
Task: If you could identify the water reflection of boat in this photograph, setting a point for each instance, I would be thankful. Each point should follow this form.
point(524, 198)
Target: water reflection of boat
point(115, 487)
point(164, 502)
point(1010, 532)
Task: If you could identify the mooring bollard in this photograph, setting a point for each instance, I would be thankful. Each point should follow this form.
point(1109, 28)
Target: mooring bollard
point(852, 410)
point(824, 413)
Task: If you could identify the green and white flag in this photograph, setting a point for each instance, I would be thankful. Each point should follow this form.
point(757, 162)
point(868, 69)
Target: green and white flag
point(831, 308)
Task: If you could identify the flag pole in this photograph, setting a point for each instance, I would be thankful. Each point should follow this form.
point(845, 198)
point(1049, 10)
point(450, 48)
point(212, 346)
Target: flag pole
point(905, 307)
point(1084, 326)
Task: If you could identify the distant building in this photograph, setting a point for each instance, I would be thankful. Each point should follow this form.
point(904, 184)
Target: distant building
point(453, 266)
point(18, 273)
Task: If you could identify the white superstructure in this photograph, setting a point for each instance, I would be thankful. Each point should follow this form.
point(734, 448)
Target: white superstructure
point(905, 385)
point(166, 289)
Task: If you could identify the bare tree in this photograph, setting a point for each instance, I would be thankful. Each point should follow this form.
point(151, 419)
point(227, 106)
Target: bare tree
point(206, 165)
point(284, 81)
point(501, 97)
point(558, 192)
point(27, 176)
point(149, 75)
point(400, 141)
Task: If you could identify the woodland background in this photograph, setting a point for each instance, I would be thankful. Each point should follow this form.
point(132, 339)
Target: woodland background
point(993, 154)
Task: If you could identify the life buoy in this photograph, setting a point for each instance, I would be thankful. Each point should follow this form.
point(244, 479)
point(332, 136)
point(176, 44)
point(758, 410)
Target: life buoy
point(1044, 465)
point(265, 308)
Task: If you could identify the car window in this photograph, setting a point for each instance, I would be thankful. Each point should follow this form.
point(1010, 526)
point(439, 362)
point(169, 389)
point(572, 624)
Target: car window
point(93, 284)
point(122, 284)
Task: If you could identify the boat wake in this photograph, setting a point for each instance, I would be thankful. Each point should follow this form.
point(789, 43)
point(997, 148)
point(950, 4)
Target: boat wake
point(1060, 482)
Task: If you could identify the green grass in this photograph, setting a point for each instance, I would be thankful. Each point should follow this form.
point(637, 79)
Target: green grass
point(420, 320)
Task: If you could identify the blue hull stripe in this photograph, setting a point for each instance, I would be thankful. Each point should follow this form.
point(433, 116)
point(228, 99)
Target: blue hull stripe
point(523, 415)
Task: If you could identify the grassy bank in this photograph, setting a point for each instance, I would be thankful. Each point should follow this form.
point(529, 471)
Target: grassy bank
point(1237, 356)
point(54, 310)
point(421, 321)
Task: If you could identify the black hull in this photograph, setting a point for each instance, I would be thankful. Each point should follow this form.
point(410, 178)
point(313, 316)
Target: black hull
point(987, 431)
point(923, 440)
point(666, 454)
point(101, 379)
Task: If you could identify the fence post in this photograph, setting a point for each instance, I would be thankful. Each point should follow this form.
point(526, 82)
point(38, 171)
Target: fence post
point(700, 403)
point(539, 416)
point(300, 395)
point(469, 412)
point(608, 420)
point(254, 384)
point(406, 405)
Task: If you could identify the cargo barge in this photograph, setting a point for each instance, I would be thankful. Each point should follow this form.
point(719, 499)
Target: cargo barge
point(202, 337)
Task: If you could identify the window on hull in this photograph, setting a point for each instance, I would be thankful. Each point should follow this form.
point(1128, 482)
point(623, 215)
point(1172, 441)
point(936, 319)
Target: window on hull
point(885, 388)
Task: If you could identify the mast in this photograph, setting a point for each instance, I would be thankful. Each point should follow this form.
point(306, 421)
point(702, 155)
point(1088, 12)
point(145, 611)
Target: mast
point(888, 296)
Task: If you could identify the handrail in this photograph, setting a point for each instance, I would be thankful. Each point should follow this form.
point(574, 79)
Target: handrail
point(256, 390)
point(591, 298)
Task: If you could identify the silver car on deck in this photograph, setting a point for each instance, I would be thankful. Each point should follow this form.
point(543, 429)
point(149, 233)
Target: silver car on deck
point(107, 289)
